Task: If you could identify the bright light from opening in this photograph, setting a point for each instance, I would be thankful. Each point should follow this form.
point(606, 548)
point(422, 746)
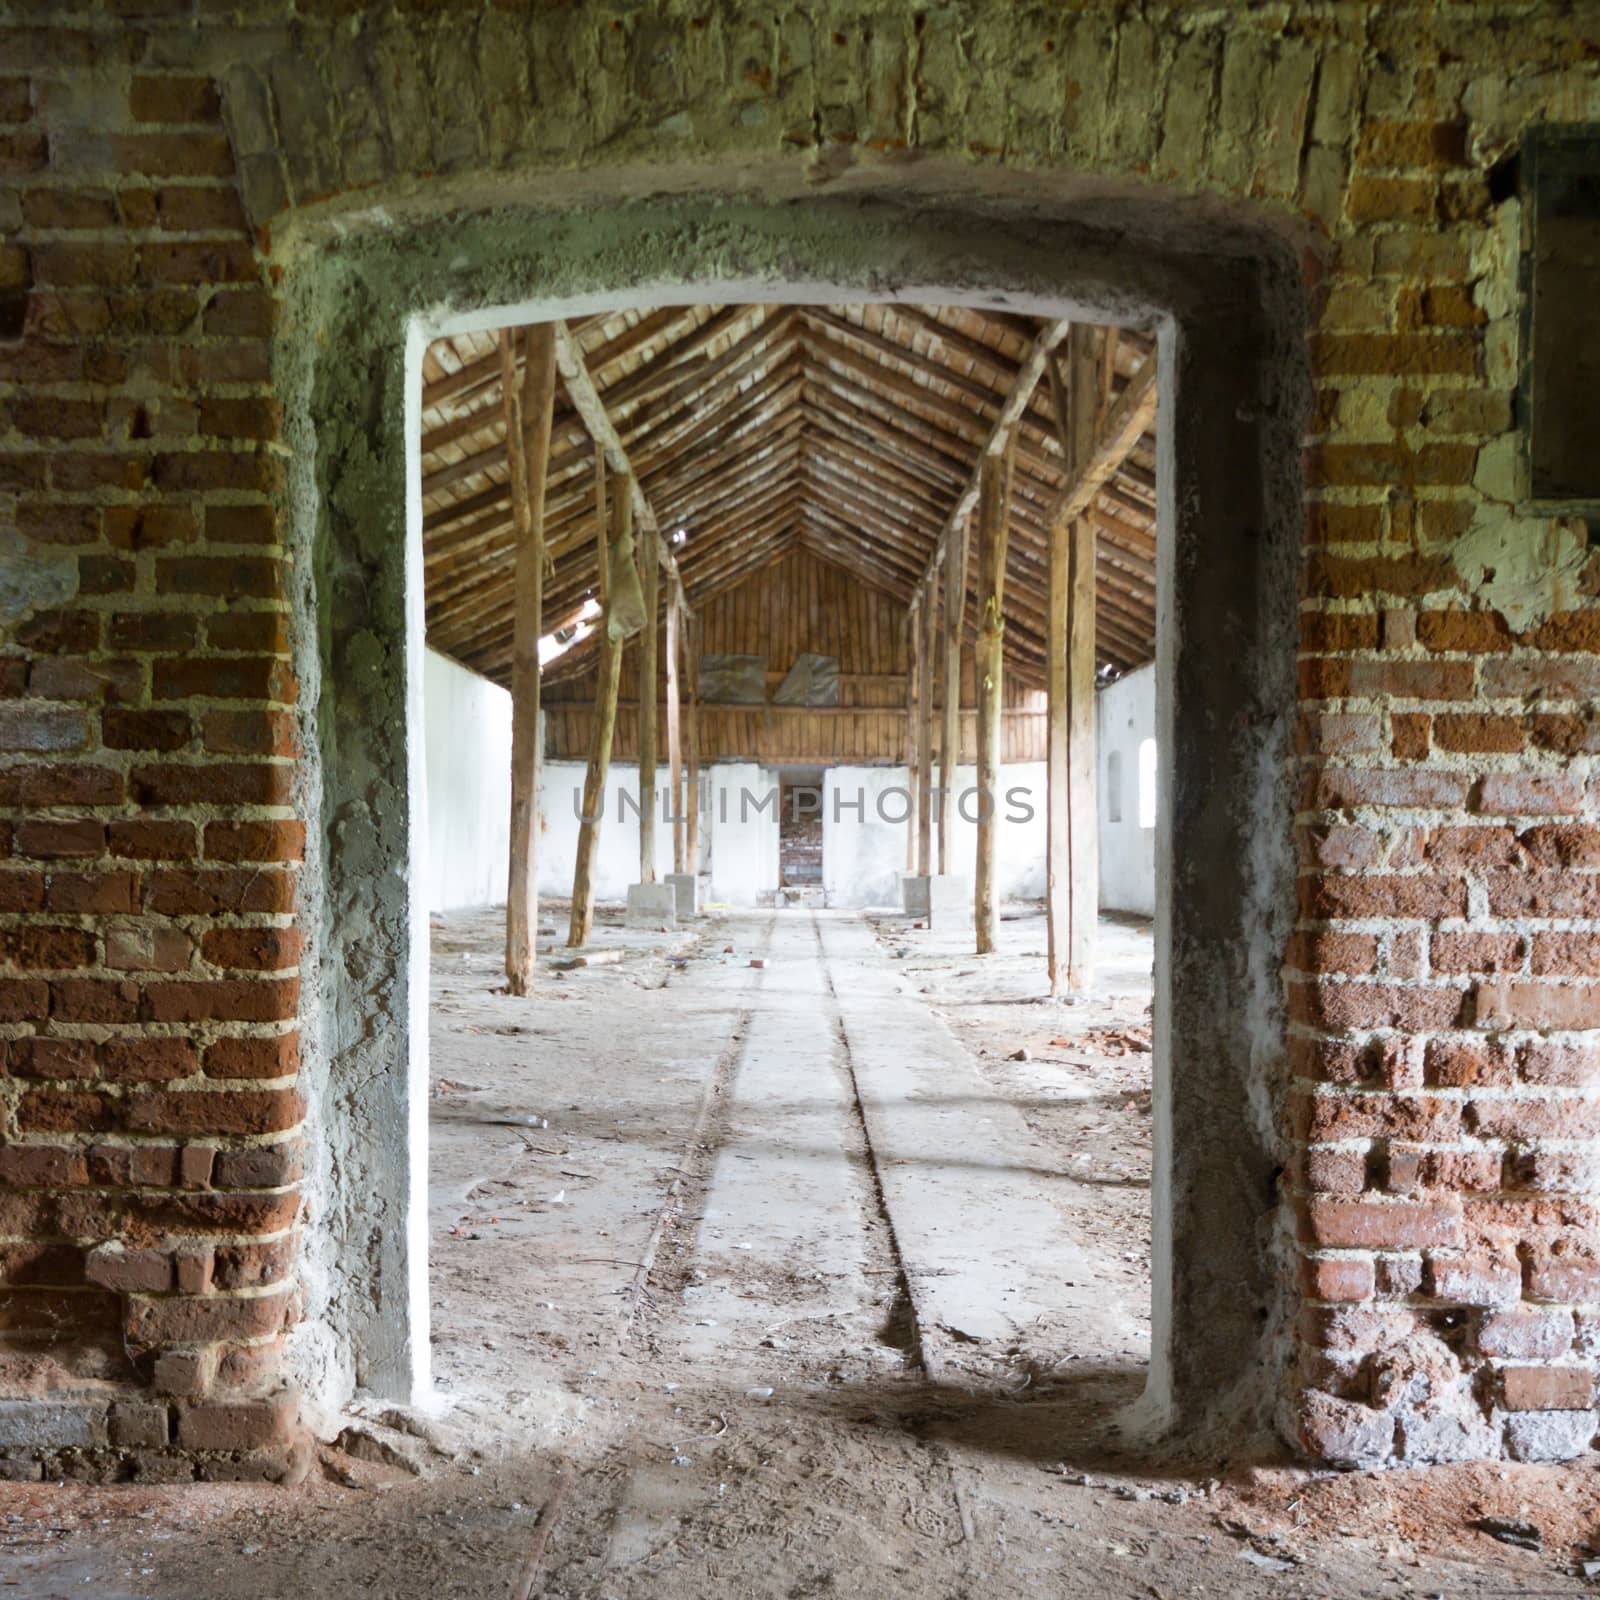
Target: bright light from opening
point(1147, 784)
point(680, 536)
point(590, 608)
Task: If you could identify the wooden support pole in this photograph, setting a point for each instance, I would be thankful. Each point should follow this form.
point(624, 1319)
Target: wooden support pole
point(955, 603)
point(607, 682)
point(928, 624)
point(650, 584)
point(1086, 391)
point(528, 423)
point(674, 732)
point(692, 730)
point(913, 727)
point(994, 505)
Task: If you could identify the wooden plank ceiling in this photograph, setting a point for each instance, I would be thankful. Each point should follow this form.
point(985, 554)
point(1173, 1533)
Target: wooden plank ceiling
point(851, 431)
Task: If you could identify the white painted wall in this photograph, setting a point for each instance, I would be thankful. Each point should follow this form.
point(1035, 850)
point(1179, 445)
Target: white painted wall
point(740, 826)
point(616, 861)
point(466, 798)
point(864, 848)
point(1125, 713)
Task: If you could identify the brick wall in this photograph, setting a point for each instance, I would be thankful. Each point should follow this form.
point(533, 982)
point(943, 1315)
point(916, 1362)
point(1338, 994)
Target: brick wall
point(1442, 1128)
point(149, 993)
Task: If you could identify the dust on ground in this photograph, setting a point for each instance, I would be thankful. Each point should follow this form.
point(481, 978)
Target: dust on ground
point(595, 1441)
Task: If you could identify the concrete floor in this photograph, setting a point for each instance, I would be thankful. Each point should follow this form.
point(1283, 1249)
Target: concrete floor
point(823, 1276)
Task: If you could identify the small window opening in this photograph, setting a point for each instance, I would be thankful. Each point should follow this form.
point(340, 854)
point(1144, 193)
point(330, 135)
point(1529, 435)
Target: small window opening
point(1147, 783)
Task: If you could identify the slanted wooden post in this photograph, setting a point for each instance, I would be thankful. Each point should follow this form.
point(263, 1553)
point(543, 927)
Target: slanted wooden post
point(674, 741)
point(607, 680)
point(929, 631)
point(994, 505)
point(1087, 388)
point(691, 844)
point(650, 584)
point(955, 603)
point(528, 451)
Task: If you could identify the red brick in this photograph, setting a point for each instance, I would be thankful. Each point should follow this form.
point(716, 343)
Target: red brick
point(263, 632)
point(197, 472)
point(1479, 733)
point(41, 731)
point(1411, 735)
point(1556, 1063)
point(255, 949)
point(195, 210)
point(1341, 630)
point(29, 1166)
point(1382, 895)
point(1385, 1224)
point(53, 1058)
point(1328, 1118)
point(1566, 844)
point(154, 630)
point(238, 1426)
point(276, 1056)
point(145, 730)
point(1526, 1003)
point(112, 1266)
point(1480, 846)
point(1374, 1005)
point(180, 1320)
point(259, 1167)
point(172, 155)
point(149, 840)
point(35, 947)
point(147, 948)
point(150, 527)
point(221, 1111)
point(24, 1000)
point(94, 1000)
point(226, 678)
point(52, 840)
point(246, 313)
point(1339, 1277)
point(255, 841)
point(150, 1059)
point(1566, 1272)
point(1555, 1118)
point(1355, 954)
point(1575, 955)
point(1543, 894)
point(241, 525)
point(91, 892)
point(61, 1111)
point(1513, 794)
point(1526, 1333)
point(224, 784)
point(250, 733)
point(173, 99)
point(1477, 1278)
point(1477, 952)
point(1546, 1388)
point(224, 1000)
point(207, 891)
point(254, 577)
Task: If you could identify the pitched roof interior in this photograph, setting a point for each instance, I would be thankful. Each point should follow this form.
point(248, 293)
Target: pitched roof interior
point(851, 431)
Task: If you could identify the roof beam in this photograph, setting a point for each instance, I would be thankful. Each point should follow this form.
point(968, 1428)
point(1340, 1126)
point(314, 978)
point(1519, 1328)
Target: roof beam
point(587, 403)
point(1034, 366)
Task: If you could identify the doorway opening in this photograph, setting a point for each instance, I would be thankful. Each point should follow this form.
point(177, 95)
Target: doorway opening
point(800, 836)
point(1206, 1054)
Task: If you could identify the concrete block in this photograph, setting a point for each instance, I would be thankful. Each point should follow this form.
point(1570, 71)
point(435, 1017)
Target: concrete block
point(914, 894)
point(686, 886)
point(949, 901)
point(651, 906)
point(50, 1425)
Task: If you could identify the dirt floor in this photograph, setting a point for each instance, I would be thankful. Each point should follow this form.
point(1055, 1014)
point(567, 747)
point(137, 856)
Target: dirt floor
point(725, 1305)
